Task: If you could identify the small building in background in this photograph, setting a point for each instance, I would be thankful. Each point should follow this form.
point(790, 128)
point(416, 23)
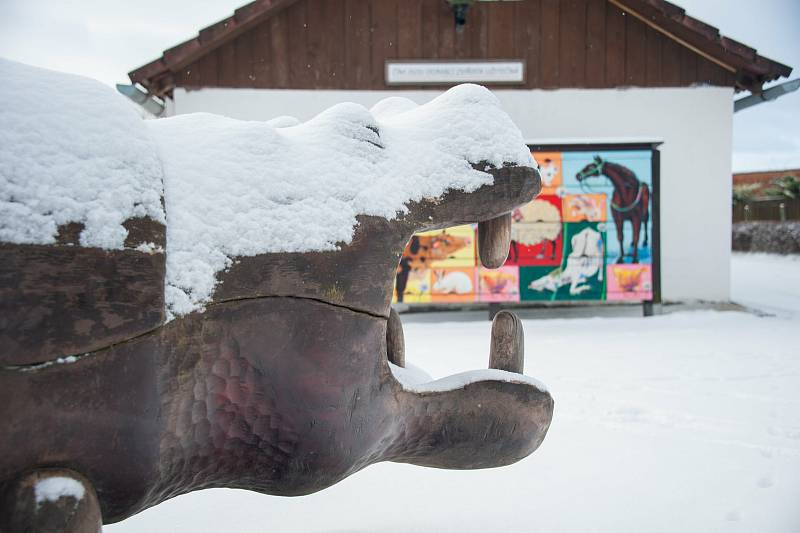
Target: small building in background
point(758, 184)
point(627, 105)
point(770, 195)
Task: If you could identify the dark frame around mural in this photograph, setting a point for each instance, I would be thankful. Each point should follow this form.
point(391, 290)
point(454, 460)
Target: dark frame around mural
point(591, 236)
point(655, 159)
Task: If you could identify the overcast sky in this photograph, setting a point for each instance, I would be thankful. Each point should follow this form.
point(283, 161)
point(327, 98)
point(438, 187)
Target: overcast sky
point(104, 39)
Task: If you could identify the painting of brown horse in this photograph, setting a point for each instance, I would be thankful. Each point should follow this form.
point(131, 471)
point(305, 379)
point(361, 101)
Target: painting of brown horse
point(630, 201)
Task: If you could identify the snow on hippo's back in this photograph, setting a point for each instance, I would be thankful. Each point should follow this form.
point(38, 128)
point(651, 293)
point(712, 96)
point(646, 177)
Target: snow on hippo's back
point(72, 151)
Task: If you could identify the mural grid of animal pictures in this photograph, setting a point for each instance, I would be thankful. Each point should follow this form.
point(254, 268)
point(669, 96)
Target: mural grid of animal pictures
point(587, 236)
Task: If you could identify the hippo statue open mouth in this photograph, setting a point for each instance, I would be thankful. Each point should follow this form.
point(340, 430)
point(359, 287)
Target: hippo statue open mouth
point(287, 379)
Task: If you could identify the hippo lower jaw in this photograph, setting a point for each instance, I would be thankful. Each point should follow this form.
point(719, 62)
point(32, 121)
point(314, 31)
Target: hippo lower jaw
point(475, 419)
point(481, 418)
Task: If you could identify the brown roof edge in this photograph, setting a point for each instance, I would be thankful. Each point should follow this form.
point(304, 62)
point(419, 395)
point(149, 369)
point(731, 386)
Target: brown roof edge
point(766, 172)
point(751, 69)
point(153, 75)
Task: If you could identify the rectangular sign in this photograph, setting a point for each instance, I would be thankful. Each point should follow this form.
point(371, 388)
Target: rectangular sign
point(438, 72)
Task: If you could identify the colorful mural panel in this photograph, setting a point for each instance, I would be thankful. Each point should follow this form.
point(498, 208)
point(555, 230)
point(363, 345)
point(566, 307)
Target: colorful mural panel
point(450, 247)
point(417, 288)
point(454, 285)
point(629, 282)
point(500, 285)
point(536, 233)
point(588, 207)
point(528, 276)
point(581, 275)
point(550, 170)
point(587, 236)
point(625, 177)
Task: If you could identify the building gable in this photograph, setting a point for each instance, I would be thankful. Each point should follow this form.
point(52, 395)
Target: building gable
point(344, 44)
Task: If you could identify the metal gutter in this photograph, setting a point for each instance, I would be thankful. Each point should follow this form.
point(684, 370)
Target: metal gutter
point(766, 95)
point(147, 101)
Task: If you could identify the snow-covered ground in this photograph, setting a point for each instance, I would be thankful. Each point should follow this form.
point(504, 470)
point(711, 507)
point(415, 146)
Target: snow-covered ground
point(682, 422)
point(769, 283)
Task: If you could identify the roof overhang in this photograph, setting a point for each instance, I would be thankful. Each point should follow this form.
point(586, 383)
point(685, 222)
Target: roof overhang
point(750, 70)
point(157, 76)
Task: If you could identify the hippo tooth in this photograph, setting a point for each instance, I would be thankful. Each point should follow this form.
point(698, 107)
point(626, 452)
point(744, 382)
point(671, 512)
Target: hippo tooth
point(395, 341)
point(507, 351)
point(494, 240)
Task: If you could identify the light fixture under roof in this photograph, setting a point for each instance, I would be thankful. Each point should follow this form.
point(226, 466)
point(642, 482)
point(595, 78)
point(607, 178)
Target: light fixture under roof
point(460, 8)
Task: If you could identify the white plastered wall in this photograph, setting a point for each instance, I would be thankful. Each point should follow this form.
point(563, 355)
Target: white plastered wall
point(694, 124)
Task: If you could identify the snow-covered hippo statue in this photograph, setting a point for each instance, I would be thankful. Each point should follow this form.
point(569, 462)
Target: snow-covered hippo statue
point(201, 302)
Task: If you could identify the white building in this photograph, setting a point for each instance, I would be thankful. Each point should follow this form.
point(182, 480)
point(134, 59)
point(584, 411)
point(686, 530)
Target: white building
point(602, 72)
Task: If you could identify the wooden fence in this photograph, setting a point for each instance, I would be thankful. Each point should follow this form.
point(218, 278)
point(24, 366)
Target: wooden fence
point(777, 209)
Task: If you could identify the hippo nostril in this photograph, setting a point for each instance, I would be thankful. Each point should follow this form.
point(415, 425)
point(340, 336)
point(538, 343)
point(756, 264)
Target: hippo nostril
point(395, 341)
point(507, 350)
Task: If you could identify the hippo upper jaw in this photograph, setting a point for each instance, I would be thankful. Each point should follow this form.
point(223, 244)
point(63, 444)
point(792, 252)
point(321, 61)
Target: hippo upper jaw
point(360, 275)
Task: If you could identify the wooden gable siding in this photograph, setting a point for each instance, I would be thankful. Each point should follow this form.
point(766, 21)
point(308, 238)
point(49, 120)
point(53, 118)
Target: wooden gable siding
point(343, 44)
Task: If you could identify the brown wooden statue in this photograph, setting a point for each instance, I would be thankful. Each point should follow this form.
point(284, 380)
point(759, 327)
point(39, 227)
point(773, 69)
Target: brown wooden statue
point(281, 385)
